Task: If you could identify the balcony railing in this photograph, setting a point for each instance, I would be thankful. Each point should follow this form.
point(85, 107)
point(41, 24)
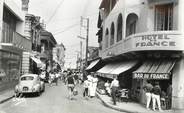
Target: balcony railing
point(16, 40)
point(148, 41)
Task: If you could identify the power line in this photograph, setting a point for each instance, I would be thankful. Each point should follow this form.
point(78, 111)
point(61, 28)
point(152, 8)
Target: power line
point(77, 17)
point(66, 29)
point(55, 11)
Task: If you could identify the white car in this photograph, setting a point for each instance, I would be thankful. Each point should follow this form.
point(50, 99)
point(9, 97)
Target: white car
point(29, 83)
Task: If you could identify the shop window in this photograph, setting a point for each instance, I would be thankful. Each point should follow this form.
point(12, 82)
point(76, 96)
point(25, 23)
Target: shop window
point(164, 17)
point(9, 26)
point(106, 38)
point(112, 34)
point(131, 24)
point(119, 28)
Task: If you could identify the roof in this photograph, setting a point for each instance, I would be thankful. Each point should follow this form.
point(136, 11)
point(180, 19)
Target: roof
point(46, 33)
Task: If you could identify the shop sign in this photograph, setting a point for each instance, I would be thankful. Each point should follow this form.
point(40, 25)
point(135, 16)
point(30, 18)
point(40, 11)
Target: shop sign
point(155, 40)
point(160, 76)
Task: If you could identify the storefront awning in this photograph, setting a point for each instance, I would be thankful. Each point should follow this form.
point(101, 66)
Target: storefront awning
point(123, 67)
point(92, 64)
point(116, 68)
point(37, 61)
point(154, 69)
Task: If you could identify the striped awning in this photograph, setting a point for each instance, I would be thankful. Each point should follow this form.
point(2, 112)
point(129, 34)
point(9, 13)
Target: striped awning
point(92, 64)
point(154, 69)
point(112, 69)
point(37, 61)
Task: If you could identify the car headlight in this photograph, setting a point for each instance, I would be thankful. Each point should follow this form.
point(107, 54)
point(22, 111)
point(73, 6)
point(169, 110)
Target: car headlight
point(17, 88)
point(35, 88)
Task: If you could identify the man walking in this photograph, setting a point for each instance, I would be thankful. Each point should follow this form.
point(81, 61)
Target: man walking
point(156, 96)
point(85, 85)
point(148, 88)
point(70, 81)
point(114, 88)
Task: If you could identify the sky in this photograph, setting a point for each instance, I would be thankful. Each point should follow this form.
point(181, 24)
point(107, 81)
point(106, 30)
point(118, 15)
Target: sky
point(62, 19)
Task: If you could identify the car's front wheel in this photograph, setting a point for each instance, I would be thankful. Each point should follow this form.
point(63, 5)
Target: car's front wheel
point(38, 93)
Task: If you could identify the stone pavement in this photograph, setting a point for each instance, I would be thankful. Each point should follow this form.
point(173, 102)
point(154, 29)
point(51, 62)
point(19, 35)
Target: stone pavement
point(130, 107)
point(6, 95)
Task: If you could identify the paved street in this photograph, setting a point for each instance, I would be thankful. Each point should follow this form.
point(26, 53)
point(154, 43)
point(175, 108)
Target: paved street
point(54, 100)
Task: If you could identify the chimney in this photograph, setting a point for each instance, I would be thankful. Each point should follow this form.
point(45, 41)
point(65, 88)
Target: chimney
point(25, 4)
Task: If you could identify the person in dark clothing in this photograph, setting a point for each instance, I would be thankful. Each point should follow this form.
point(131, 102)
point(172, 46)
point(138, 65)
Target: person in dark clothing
point(156, 92)
point(114, 89)
point(169, 96)
point(70, 84)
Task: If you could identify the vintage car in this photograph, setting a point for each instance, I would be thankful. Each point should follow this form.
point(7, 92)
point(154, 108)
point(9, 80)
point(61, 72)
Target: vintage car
point(29, 83)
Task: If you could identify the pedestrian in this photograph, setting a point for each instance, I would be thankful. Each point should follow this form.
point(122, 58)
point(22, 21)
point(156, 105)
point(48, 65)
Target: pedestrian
point(107, 88)
point(94, 85)
point(85, 85)
point(76, 77)
point(169, 96)
point(90, 80)
point(56, 78)
point(70, 81)
point(114, 89)
point(156, 92)
point(148, 88)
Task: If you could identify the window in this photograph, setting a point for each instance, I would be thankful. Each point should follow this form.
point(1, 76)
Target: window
point(164, 17)
point(27, 78)
point(119, 28)
point(112, 34)
point(9, 26)
point(106, 38)
point(131, 24)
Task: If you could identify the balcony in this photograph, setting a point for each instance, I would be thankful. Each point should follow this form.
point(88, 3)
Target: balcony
point(17, 41)
point(148, 41)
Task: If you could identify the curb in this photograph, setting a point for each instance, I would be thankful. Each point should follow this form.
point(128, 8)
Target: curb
point(124, 110)
point(113, 107)
point(6, 99)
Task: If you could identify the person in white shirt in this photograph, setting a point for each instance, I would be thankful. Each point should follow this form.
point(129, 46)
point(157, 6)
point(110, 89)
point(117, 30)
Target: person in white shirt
point(90, 86)
point(107, 88)
point(114, 87)
point(85, 85)
point(94, 86)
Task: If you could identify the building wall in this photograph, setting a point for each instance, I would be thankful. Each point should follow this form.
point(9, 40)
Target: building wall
point(59, 54)
point(145, 11)
point(11, 52)
point(16, 7)
point(144, 26)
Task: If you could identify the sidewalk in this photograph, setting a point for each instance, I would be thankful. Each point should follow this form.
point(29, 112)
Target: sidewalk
point(130, 107)
point(6, 95)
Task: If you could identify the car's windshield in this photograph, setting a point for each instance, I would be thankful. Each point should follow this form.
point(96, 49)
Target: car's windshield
point(27, 78)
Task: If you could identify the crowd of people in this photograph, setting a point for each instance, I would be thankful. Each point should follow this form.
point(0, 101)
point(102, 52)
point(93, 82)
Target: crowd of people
point(157, 96)
point(153, 92)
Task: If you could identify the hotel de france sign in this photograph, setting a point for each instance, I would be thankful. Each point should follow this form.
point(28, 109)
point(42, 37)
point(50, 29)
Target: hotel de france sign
point(156, 41)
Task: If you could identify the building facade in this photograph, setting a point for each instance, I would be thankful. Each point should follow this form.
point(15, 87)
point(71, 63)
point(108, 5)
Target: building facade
point(148, 36)
point(58, 56)
point(12, 42)
point(48, 42)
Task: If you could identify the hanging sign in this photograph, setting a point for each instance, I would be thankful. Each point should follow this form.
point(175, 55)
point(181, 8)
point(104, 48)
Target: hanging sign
point(160, 76)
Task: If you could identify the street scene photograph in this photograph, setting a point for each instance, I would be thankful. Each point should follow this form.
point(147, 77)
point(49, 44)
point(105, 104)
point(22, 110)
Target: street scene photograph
point(91, 56)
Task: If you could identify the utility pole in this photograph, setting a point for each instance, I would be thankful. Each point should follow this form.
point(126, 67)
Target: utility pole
point(87, 36)
point(80, 55)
